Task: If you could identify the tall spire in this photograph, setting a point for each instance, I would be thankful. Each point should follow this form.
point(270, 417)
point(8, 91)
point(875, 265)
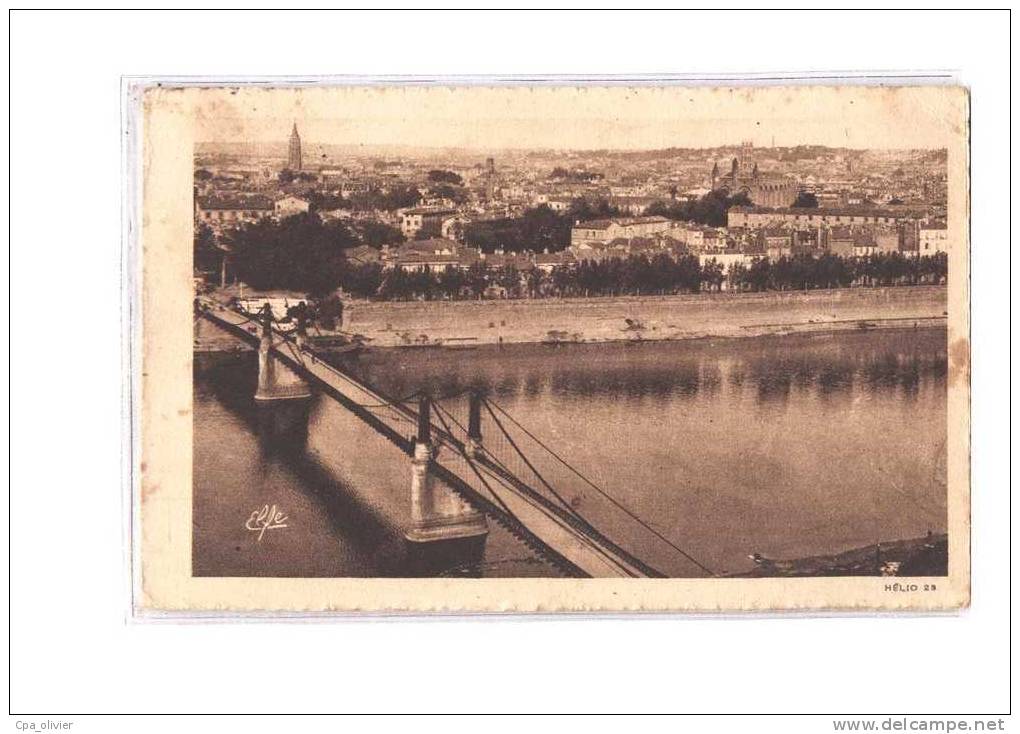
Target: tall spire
point(294, 150)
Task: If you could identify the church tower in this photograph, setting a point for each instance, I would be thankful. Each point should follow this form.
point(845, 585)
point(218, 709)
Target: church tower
point(294, 151)
point(746, 154)
point(715, 176)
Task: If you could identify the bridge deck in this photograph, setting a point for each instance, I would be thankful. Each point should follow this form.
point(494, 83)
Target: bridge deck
point(566, 539)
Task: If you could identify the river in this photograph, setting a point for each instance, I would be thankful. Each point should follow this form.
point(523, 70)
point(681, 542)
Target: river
point(786, 446)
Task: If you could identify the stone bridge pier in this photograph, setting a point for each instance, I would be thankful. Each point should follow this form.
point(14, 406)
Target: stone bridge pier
point(277, 381)
point(283, 398)
point(437, 512)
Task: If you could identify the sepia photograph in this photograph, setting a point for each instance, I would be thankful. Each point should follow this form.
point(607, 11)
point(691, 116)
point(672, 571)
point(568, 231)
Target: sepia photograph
point(510, 363)
point(564, 333)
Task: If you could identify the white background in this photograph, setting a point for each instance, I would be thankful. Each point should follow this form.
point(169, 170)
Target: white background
point(74, 649)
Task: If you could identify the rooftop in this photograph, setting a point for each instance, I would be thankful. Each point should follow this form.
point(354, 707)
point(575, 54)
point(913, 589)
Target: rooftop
point(620, 222)
point(433, 245)
point(430, 210)
point(228, 202)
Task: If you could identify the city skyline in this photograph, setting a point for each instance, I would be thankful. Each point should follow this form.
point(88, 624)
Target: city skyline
point(282, 144)
point(484, 118)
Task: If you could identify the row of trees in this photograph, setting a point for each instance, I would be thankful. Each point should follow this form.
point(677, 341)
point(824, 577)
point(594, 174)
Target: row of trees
point(805, 200)
point(641, 275)
point(396, 197)
point(805, 272)
point(710, 209)
point(287, 176)
point(439, 175)
point(537, 229)
point(299, 253)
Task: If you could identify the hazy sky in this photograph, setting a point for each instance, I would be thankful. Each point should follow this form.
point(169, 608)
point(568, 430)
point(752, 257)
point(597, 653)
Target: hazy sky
point(585, 117)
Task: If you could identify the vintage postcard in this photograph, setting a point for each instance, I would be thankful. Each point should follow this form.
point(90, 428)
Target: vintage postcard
point(509, 348)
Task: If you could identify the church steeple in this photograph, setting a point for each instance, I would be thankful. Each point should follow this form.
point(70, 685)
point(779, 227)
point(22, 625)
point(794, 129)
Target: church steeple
point(294, 150)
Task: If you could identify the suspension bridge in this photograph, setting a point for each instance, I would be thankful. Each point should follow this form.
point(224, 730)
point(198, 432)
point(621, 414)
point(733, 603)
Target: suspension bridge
point(459, 480)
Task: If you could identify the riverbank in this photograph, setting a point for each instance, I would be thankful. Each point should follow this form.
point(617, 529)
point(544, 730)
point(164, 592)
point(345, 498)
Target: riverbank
point(641, 318)
point(927, 556)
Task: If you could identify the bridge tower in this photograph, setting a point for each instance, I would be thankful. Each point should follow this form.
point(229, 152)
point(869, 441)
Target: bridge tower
point(437, 512)
point(277, 381)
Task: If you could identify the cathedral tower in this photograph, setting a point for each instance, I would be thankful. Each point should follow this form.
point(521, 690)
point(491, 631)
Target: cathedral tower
point(746, 154)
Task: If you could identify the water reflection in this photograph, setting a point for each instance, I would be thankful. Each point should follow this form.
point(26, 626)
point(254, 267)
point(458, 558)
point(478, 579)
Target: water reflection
point(788, 446)
point(775, 367)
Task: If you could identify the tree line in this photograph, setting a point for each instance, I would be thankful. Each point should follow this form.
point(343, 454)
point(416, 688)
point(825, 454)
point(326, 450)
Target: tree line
point(709, 210)
point(537, 229)
point(638, 275)
point(300, 253)
point(391, 199)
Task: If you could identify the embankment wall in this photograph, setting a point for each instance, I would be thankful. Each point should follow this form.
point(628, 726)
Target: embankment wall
point(453, 323)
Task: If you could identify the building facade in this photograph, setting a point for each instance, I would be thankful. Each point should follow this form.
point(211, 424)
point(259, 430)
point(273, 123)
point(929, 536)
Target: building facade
point(932, 238)
point(226, 211)
point(289, 206)
point(435, 255)
point(424, 219)
point(753, 217)
point(601, 231)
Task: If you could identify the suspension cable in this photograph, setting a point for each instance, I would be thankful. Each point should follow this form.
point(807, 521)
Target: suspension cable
point(524, 458)
point(471, 463)
point(604, 493)
point(504, 481)
point(488, 451)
